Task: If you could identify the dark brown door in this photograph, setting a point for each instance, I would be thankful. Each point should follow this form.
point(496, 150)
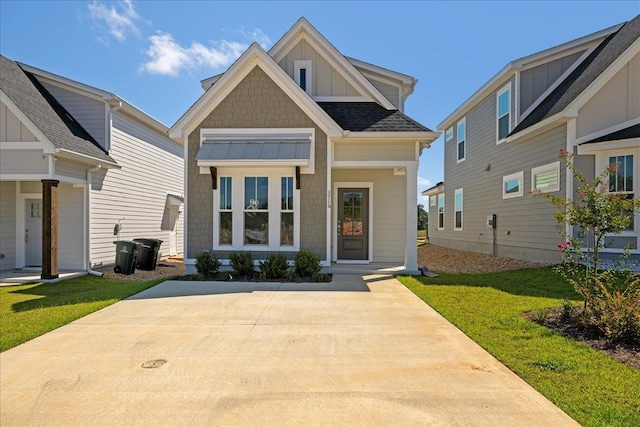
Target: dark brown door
point(353, 223)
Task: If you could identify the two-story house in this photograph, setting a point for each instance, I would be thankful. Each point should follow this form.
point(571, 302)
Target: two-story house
point(75, 162)
point(301, 147)
point(502, 144)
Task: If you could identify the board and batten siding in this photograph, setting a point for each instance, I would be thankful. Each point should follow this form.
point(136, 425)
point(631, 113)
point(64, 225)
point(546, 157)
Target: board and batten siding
point(12, 129)
point(151, 165)
point(389, 210)
point(616, 102)
point(70, 227)
point(536, 80)
point(325, 80)
point(392, 93)
point(526, 226)
point(90, 113)
point(7, 225)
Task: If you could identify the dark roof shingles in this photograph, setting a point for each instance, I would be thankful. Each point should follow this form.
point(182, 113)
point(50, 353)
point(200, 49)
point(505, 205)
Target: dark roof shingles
point(370, 117)
point(585, 74)
point(626, 133)
point(46, 113)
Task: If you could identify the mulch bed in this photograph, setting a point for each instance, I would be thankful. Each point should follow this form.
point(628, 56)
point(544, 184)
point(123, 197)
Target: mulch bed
point(165, 268)
point(569, 328)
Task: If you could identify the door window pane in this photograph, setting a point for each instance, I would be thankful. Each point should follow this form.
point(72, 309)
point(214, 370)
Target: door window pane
point(352, 223)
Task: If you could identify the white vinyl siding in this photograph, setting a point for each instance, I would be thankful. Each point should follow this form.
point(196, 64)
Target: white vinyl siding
point(8, 224)
point(457, 207)
point(70, 227)
point(151, 166)
point(23, 162)
point(503, 108)
point(461, 139)
point(512, 185)
point(70, 169)
point(546, 178)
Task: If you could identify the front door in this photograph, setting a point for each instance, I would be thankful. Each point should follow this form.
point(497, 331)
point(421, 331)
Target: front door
point(353, 223)
point(33, 232)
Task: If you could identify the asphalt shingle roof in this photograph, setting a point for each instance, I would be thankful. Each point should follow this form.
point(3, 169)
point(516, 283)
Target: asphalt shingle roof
point(46, 113)
point(370, 117)
point(585, 74)
point(626, 133)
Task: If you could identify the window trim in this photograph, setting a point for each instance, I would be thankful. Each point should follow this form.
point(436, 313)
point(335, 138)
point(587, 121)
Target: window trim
point(555, 166)
point(441, 213)
point(462, 121)
point(455, 209)
point(448, 135)
point(504, 89)
point(307, 65)
point(519, 176)
point(433, 200)
point(274, 174)
point(603, 162)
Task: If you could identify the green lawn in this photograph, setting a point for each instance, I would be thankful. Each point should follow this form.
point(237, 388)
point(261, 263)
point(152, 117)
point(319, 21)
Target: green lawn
point(28, 311)
point(588, 385)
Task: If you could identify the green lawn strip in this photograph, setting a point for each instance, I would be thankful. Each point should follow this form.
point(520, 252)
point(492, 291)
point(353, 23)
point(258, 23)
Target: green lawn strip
point(28, 311)
point(588, 385)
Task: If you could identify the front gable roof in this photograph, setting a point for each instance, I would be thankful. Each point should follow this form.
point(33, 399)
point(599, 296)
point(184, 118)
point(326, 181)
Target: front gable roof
point(584, 75)
point(52, 120)
point(253, 57)
point(304, 30)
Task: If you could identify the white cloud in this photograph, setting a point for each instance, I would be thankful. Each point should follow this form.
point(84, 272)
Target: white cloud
point(118, 18)
point(424, 182)
point(168, 57)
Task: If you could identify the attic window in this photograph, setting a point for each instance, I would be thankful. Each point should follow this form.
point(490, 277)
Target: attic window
point(302, 74)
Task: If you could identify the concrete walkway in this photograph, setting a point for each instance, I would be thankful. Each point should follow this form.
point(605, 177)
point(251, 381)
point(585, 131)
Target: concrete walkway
point(357, 351)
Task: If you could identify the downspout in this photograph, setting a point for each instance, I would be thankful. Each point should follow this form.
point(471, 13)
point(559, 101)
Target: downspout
point(88, 222)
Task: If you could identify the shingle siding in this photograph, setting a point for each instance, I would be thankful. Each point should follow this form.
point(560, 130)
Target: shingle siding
point(257, 102)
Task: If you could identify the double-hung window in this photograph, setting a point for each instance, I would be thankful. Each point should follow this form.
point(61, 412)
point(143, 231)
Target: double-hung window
point(503, 113)
point(225, 228)
point(457, 202)
point(441, 211)
point(286, 211)
point(621, 178)
point(256, 210)
point(462, 138)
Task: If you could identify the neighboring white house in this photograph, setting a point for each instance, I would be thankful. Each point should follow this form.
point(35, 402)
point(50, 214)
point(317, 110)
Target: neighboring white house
point(75, 161)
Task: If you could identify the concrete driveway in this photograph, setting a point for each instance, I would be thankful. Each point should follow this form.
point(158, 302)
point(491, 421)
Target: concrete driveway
point(357, 351)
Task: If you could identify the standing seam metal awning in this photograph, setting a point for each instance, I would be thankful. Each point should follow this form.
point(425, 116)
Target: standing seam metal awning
point(273, 152)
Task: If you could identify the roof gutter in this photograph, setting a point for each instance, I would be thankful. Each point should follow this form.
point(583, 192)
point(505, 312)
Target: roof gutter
point(86, 159)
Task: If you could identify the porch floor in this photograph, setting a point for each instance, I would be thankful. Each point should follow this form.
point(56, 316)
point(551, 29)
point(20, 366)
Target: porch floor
point(17, 277)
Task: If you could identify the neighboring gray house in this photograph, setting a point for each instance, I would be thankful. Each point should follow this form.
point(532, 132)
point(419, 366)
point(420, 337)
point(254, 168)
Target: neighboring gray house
point(74, 162)
point(303, 148)
point(503, 142)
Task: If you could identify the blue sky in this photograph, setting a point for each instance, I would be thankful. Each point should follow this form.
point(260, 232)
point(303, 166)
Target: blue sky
point(154, 53)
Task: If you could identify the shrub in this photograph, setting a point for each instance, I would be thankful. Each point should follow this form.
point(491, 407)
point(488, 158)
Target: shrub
point(540, 315)
point(321, 277)
point(207, 265)
point(306, 264)
point(242, 263)
point(274, 267)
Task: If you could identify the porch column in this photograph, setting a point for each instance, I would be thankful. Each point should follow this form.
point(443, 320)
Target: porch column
point(411, 251)
point(49, 229)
